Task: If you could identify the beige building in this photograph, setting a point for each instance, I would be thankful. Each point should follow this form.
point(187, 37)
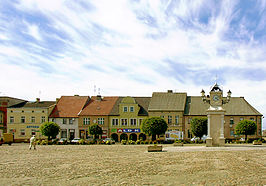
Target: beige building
point(25, 119)
point(236, 109)
point(170, 106)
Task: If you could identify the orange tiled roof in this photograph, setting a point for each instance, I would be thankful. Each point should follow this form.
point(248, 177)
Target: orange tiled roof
point(99, 107)
point(69, 106)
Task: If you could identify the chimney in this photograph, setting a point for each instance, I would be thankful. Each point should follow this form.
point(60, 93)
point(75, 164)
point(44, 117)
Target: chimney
point(99, 98)
point(170, 91)
point(37, 100)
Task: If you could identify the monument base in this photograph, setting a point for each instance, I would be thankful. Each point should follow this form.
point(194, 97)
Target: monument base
point(209, 142)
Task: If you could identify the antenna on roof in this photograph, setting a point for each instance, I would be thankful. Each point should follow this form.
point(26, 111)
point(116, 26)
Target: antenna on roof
point(99, 91)
point(95, 90)
point(39, 94)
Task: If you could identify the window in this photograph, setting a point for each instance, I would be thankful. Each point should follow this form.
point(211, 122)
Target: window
point(125, 109)
point(32, 119)
point(140, 121)
point(64, 120)
point(176, 120)
point(86, 121)
point(162, 117)
point(124, 122)
point(1, 119)
point(252, 119)
point(63, 133)
point(11, 119)
point(133, 122)
point(22, 119)
point(114, 122)
point(189, 120)
point(231, 121)
point(22, 132)
point(241, 118)
point(169, 119)
point(32, 111)
point(71, 120)
point(33, 132)
point(131, 109)
point(100, 121)
point(42, 119)
point(53, 120)
point(231, 133)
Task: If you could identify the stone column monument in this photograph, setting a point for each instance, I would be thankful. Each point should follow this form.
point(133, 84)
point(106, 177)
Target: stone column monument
point(215, 115)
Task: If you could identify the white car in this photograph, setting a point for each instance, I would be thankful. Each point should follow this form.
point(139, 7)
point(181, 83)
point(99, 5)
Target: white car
point(75, 140)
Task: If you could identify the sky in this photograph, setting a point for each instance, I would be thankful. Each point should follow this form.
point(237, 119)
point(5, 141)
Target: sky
point(132, 48)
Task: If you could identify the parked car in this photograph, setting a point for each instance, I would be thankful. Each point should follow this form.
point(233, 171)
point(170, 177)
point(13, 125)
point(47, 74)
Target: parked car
point(63, 141)
point(75, 140)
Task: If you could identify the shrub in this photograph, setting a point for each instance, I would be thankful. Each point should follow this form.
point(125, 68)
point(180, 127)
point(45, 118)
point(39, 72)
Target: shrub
point(82, 142)
point(123, 142)
point(138, 142)
point(43, 142)
point(108, 142)
point(131, 142)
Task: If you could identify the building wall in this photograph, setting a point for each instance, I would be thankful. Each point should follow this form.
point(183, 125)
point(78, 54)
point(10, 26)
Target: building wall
point(228, 127)
point(1, 123)
point(128, 111)
point(102, 121)
point(68, 128)
point(23, 131)
point(174, 125)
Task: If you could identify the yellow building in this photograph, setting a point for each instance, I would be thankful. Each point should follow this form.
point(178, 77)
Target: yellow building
point(25, 119)
point(126, 117)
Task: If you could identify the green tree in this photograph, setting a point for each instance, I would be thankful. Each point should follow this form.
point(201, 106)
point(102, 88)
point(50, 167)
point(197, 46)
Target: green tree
point(95, 130)
point(50, 129)
point(246, 127)
point(199, 126)
point(154, 126)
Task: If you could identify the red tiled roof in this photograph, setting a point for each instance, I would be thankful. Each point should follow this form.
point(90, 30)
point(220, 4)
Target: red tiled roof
point(99, 107)
point(69, 106)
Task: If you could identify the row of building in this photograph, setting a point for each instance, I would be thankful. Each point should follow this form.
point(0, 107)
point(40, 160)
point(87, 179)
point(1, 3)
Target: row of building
point(119, 117)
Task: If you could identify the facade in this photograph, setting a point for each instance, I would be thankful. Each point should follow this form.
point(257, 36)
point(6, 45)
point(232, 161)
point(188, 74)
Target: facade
point(237, 109)
point(170, 106)
point(25, 119)
point(96, 112)
point(6, 102)
point(65, 114)
point(126, 118)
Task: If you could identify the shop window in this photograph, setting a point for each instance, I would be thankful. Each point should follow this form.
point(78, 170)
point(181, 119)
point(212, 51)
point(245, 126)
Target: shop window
point(63, 133)
point(22, 132)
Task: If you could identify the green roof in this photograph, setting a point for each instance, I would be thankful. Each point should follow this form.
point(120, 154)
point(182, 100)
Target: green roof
point(236, 106)
point(167, 101)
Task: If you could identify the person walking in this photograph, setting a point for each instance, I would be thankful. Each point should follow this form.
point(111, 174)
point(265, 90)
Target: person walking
point(33, 142)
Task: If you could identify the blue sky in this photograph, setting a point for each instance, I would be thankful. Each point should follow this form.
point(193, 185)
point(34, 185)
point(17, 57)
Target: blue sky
point(53, 48)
